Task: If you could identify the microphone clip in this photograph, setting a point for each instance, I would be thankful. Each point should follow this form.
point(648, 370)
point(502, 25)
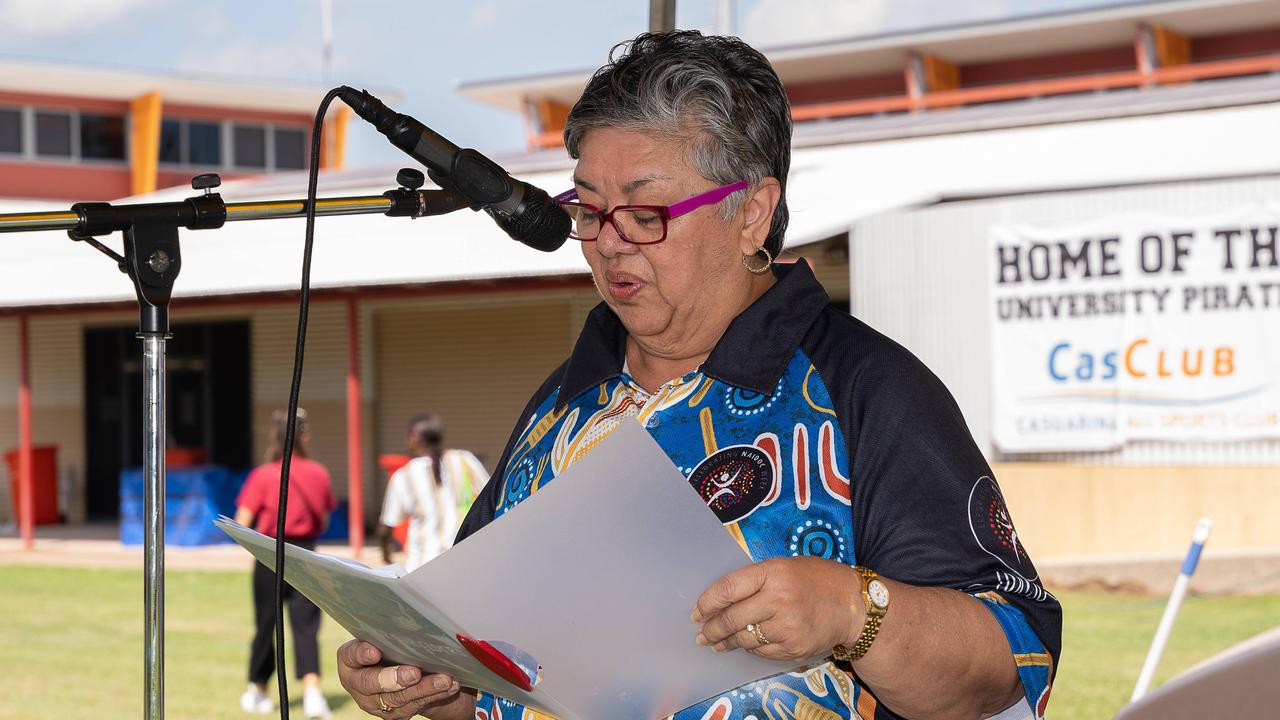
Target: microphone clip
point(409, 200)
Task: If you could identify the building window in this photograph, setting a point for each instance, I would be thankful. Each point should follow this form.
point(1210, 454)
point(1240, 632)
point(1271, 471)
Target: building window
point(53, 134)
point(204, 143)
point(10, 130)
point(102, 137)
point(291, 148)
point(250, 146)
point(232, 146)
point(71, 135)
point(170, 141)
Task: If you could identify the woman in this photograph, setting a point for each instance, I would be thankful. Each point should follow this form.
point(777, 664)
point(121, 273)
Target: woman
point(433, 491)
point(307, 515)
point(837, 460)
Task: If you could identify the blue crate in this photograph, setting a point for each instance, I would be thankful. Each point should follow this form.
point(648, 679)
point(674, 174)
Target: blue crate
point(194, 497)
point(338, 524)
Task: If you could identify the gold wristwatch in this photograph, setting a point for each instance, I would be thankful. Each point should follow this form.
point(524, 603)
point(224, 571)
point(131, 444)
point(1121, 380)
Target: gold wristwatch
point(875, 597)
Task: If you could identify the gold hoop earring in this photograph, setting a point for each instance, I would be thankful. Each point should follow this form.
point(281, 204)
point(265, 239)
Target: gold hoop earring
point(761, 269)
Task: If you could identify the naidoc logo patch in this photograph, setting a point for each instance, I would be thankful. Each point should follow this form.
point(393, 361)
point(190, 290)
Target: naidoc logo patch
point(734, 481)
point(992, 527)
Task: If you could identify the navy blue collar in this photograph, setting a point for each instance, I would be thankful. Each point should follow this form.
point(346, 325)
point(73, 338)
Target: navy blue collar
point(753, 352)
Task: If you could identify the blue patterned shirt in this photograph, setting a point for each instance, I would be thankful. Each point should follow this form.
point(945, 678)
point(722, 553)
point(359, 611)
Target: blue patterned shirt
point(808, 434)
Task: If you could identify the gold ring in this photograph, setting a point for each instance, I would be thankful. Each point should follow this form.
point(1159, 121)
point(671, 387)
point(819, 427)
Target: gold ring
point(382, 704)
point(754, 629)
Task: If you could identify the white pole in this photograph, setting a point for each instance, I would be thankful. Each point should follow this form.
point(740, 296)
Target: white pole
point(1198, 539)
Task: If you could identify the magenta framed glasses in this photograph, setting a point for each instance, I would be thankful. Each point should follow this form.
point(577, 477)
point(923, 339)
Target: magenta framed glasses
point(637, 224)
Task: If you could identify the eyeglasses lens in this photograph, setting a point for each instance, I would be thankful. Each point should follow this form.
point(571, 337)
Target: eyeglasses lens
point(637, 225)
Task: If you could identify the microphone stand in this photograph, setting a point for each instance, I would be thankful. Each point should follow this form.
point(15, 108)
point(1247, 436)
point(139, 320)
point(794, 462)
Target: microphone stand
point(152, 260)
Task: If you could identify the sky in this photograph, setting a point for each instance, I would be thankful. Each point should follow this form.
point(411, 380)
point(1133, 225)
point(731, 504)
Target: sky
point(421, 50)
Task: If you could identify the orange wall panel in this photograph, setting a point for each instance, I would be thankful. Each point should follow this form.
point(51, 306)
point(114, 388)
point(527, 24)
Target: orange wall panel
point(144, 138)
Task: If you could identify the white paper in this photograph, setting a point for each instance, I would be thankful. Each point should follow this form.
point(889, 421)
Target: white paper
point(595, 576)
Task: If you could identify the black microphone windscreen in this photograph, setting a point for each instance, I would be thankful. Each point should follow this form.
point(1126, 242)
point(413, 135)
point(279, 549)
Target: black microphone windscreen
point(541, 223)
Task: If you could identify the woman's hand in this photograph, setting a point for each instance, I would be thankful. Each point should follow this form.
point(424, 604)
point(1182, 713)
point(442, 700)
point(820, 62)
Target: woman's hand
point(402, 688)
point(803, 606)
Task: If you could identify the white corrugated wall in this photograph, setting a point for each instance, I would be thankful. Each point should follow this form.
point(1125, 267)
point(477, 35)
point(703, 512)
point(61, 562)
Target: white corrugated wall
point(57, 401)
point(473, 360)
point(473, 357)
point(919, 275)
point(273, 330)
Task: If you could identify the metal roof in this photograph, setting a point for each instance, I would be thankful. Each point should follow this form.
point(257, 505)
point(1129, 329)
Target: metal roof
point(107, 83)
point(1022, 36)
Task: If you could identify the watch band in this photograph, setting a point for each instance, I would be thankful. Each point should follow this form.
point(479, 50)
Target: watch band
point(870, 628)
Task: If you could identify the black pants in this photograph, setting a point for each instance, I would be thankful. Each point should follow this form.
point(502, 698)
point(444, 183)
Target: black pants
point(304, 620)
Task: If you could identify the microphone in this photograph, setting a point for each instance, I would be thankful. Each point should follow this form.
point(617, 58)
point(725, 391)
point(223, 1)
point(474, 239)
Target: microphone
point(524, 212)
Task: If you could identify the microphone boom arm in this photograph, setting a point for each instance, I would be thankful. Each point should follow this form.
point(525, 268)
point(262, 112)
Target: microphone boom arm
point(394, 203)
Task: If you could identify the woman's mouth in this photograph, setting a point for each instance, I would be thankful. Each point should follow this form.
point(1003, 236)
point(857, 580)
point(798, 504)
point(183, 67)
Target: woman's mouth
point(623, 286)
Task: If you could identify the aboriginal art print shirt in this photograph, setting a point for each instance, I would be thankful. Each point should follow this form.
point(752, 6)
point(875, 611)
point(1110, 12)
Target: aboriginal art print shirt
point(807, 433)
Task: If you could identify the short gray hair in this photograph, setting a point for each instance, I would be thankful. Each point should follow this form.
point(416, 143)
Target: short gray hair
point(718, 93)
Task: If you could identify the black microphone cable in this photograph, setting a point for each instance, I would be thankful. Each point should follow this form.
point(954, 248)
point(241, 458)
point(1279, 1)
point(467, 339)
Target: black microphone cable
point(541, 225)
point(295, 388)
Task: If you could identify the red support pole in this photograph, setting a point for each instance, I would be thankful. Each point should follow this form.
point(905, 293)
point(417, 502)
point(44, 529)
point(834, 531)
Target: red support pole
point(26, 458)
point(355, 460)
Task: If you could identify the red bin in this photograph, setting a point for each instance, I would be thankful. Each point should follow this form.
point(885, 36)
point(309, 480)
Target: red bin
point(44, 479)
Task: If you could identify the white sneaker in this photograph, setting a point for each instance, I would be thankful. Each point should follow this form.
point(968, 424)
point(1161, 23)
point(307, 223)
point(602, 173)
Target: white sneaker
point(255, 701)
point(314, 705)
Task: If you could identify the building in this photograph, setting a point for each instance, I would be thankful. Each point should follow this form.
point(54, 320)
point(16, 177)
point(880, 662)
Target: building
point(917, 158)
point(80, 133)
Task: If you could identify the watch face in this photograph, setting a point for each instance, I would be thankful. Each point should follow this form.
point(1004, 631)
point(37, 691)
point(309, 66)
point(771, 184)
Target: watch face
point(879, 593)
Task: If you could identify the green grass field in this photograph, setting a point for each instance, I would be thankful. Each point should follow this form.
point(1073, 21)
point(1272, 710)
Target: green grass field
point(72, 645)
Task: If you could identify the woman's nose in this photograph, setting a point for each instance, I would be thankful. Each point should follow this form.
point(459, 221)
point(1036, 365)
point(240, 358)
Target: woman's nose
point(610, 242)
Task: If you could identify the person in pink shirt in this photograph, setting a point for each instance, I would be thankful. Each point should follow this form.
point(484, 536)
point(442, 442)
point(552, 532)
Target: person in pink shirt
point(310, 502)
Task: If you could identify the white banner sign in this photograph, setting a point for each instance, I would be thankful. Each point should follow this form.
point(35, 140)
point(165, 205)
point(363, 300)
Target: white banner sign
point(1136, 328)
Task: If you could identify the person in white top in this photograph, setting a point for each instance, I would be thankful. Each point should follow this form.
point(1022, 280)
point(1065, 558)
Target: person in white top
point(433, 491)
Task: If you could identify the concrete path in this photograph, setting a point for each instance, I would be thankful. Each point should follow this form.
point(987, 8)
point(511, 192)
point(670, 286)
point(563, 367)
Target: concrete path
point(98, 545)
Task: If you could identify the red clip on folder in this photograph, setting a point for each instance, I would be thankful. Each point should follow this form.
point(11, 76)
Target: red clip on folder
point(503, 666)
